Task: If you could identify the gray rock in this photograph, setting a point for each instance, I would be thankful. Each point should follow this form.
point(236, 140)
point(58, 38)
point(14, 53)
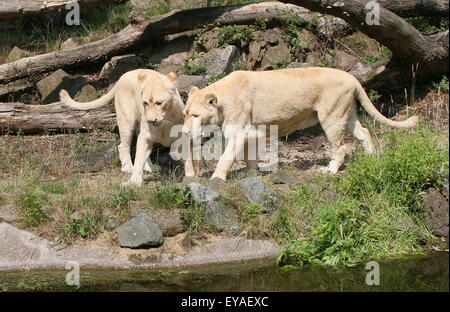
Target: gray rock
point(201, 193)
point(186, 82)
point(445, 189)
point(219, 61)
point(259, 193)
point(111, 224)
point(9, 213)
point(72, 43)
point(283, 177)
point(314, 58)
point(169, 221)
point(172, 52)
point(298, 65)
point(333, 27)
point(77, 86)
point(344, 60)
point(140, 232)
point(436, 212)
point(220, 216)
point(17, 54)
point(327, 193)
point(119, 65)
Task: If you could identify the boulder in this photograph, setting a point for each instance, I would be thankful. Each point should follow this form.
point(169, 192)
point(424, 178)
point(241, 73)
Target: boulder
point(169, 221)
point(72, 43)
point(344, 61)
point(260, 194)
point(283, 177)
point(219, 61)
point(77, 86)
point(298, 65)
point(186, 82)
point(201, 193)
point(17, 54)
point(119, 65)
point(333, 27)
point(140, 232)
point(9, 213)
point(327, 193)
point(436, 212)
point(111, 224)
point(220, 216)
point(172, 52)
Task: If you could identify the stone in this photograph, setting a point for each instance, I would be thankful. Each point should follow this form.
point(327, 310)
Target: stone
point(172, 52)
point(72, 43)
point(327, 193)
point(436, 212)
point(315, 58)
point(283, 177)
point(17, 54)
point(3, 60)
point(268, 50)
point(259, 193)
point(344, 61)
point(201, 193)
point(208, 40)
point(77, 215)
point(111, 224)
point(219, 61)
point(140, 232)
point(77, 86)
point(9, 213)
point(298, 65)
point(186, 82)
point(333, 27)
point(445, 189)
point(308, 39)
point(169, 221)
point(220, 216)
point(119, 65)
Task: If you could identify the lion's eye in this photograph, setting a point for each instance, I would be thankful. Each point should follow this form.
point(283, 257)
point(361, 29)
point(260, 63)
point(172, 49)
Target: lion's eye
point(158, 103)
point(194, 115)
point(145, 103)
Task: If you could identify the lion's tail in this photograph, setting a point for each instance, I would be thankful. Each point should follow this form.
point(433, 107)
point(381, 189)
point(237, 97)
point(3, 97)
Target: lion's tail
point(362, 97)
point(104, 100)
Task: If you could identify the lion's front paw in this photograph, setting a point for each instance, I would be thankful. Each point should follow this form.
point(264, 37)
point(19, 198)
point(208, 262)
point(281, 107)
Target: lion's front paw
point(127, 168)
point(134, 181)
point(148, 168)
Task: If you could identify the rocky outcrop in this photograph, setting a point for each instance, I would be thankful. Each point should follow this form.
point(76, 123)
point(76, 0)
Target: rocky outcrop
point(267, 50)
point(219, 61)
point(17, 54)
point(77, 86)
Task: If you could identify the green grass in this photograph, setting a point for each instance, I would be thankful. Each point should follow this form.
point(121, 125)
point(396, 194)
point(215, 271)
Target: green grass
point(429, 24)
point(168, 196)
point(32, 207)
point(378, 215)
point(157, 7)
point(234, 34)
point(441, 84)
point(53, 188)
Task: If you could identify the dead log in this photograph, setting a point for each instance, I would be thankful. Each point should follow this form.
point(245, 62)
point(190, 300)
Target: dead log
point(413, 8)
point(143, 30)
point(56, 117)
point(18, 8)
point(409, 47)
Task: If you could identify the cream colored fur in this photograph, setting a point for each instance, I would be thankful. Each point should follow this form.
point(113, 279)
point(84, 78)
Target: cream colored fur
point(292, 99)
point(147, 103)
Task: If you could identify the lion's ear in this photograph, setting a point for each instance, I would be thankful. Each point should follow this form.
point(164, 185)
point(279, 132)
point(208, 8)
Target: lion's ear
point(193, 90)
point(142, 77)
point(172, 76)
point(212, 100)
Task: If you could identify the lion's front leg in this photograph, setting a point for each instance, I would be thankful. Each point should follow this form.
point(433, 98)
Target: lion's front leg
point(226, 161)
point(143, 150)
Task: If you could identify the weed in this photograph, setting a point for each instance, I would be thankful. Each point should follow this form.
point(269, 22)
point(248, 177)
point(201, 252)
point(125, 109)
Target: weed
point(234, 34)
point(168, 196)
point(32, 207)
point(53, 188)
point(442, 84)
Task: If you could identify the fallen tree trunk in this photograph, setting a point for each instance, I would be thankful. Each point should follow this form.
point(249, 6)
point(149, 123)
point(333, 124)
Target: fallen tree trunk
point(144, 29)
point(16, 8)
point(409, 47)
point(56, 117)
point(412, 8)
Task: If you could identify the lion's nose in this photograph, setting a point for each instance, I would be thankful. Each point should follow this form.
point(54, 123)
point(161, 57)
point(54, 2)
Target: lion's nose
point(185, 130)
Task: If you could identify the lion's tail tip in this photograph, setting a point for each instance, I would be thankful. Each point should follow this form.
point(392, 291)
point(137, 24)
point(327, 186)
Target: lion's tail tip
point(411, 122)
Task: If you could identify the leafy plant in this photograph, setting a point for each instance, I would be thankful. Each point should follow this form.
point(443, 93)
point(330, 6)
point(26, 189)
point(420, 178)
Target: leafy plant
point(233, 34)
point(32, 207)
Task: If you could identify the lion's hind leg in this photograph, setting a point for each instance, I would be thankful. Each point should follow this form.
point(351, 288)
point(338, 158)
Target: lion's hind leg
point(361, 133)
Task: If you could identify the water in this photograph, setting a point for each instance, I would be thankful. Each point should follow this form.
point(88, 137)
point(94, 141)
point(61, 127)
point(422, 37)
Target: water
point(413, 274)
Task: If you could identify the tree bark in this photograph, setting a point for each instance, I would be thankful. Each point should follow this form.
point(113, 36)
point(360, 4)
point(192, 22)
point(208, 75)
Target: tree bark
point(56, 117)
point(409, 47)
point(412, 8)
point(15, 8)
point(142, 30)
